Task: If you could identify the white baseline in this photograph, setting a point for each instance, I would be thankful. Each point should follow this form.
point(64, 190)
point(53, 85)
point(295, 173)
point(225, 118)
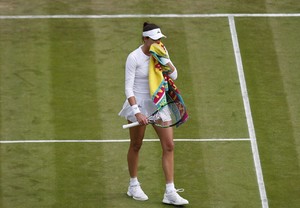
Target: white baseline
point(112, 16)
point(120, 140)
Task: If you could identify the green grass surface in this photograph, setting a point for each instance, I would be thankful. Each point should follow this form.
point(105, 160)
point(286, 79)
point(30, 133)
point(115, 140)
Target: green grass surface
point(273, 78)
point(89, 175)
point(64, 79)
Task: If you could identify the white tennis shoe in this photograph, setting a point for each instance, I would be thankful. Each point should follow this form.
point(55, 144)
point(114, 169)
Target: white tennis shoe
point(137, 193)
point(174, 198)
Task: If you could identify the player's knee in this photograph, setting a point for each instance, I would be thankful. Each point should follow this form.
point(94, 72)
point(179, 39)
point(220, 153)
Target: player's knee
point(169, 146)
point(136, 146)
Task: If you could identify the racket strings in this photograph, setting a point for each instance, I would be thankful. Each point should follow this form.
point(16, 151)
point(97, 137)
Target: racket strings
point(169, 115)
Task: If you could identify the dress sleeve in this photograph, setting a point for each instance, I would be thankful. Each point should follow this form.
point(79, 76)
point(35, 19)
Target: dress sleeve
point(174, 74)
point(130, 69)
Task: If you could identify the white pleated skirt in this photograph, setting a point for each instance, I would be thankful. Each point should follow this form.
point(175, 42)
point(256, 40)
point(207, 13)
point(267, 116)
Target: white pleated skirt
point(146, 106)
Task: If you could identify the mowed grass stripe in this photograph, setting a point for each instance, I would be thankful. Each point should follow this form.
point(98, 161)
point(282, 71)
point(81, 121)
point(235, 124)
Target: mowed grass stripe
point(217, 97)
point(216, 178)
point(25, 113)
point(287, 52)
point(25, 80)
point(270, 110)
point(76, 112)
point(111, 50)
point(74, 83)
point(288, 60)
point(28, 176)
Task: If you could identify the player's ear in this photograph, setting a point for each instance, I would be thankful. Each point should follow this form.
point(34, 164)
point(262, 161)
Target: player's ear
point(144, 39)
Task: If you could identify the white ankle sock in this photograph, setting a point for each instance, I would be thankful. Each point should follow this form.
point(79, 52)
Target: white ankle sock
point(170, 187)
point(133, 181)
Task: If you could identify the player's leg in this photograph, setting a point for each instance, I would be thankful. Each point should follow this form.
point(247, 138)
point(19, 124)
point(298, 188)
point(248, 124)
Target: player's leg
point(136, 140)
point(166, 138)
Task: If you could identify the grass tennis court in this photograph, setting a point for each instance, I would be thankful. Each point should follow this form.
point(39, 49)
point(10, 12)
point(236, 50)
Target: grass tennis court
point(62, 80)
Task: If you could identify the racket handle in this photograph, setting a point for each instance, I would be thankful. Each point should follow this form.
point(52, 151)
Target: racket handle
point(126, 126)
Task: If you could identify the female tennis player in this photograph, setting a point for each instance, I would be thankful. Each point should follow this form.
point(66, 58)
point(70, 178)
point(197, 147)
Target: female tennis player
point(137, 107)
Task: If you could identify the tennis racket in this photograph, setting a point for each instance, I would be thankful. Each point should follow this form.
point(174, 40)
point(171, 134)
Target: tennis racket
point(167, 115)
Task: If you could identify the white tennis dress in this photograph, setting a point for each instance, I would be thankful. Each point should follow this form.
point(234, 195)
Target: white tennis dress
point(137, 84)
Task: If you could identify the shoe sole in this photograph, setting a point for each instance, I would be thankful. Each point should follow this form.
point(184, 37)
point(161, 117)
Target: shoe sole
point(177, 204)
point(135, 198)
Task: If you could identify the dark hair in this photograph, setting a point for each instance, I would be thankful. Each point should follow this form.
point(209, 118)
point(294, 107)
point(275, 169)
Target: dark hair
point(149, 26)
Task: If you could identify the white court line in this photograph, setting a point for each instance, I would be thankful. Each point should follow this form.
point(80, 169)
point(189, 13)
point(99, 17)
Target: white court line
point(246, 102)
point(143, 16)
point(121, 140)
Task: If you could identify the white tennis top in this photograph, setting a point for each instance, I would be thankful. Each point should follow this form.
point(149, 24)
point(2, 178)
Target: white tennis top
point(136, 73)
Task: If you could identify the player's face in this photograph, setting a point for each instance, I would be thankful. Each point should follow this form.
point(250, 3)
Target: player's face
point(149, 41)
point(155, 41)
